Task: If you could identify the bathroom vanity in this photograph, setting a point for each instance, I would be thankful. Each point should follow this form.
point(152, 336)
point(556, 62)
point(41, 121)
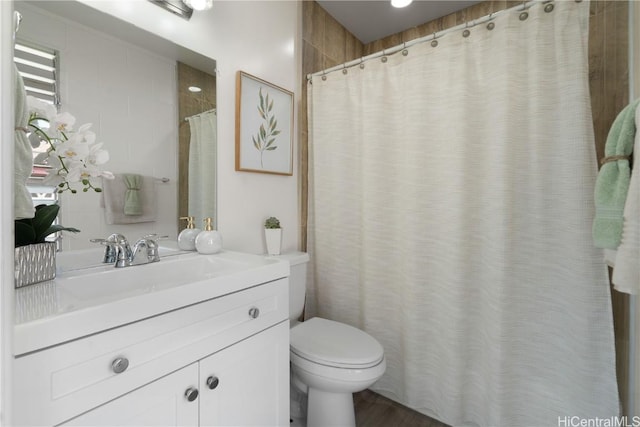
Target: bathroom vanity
point(190, 340)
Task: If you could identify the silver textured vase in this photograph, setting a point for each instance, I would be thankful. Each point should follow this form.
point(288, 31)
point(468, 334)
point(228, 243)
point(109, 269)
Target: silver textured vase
point(35, 263)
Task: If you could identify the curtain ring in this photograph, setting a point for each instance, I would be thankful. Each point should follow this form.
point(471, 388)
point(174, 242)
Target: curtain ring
point(405, 52)
point(434, 42)
point(548, 7)
point(324, 75)
point(361, 63)
point(344, 69)
point(491, 25)
point(466, 31)
point(524, 14)
point(384, 56)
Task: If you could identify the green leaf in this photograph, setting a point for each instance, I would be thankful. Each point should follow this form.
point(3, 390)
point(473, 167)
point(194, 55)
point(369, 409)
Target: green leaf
point(261, 99)
point(263, 133)
point(97, 189)
point(270, 106)
point(275, 124)
point(271, 141)
point(271, 148)
point(255, 143)
point(54, 229)
point(45, 215)
point(24, 233)
point(275, 132)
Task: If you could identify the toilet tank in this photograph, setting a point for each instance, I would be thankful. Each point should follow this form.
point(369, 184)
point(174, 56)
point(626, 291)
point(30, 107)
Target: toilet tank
point(297, 282)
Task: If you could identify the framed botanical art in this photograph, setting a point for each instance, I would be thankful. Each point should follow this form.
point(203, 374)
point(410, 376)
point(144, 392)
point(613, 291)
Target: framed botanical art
point(264, 126)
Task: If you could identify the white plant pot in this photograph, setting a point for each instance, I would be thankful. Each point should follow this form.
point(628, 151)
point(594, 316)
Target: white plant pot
point(273, 237)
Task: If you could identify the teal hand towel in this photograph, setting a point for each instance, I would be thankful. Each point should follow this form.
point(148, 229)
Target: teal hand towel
point(612, 183)
point(132, 204)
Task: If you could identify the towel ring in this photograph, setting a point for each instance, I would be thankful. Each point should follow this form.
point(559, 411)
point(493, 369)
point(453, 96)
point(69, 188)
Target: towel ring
point(609, 159)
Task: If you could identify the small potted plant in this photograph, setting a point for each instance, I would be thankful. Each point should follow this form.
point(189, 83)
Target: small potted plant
point(273, 235)
point(35, 258)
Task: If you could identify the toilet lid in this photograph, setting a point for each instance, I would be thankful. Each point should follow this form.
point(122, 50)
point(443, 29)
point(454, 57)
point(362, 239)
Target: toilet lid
point(335, 344)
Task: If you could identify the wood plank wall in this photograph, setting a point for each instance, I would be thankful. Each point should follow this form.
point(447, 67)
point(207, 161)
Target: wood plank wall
point(326, 44)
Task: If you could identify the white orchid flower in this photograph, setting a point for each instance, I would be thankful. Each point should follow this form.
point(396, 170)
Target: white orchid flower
point(74, 156)
point(97, 156)
point(83, 134)
point(72, 150)
point(77, 172)
point(62, 122)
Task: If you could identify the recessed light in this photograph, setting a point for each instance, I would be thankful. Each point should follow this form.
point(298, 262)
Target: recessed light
point(401, 3)
point(194, 89)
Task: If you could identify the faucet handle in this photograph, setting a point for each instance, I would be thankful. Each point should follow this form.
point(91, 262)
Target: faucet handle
point(109, 250)
point(117, 238)
point(154, 236)
point(150, 246)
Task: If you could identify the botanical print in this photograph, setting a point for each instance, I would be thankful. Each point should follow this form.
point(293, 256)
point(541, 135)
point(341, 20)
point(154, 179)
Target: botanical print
point(264, 126)
point(266, 137)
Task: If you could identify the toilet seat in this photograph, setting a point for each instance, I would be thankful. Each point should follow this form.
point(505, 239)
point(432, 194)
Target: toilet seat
point(335, 344)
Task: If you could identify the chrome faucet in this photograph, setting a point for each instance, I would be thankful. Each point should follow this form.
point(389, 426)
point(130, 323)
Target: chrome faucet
point(119, 253)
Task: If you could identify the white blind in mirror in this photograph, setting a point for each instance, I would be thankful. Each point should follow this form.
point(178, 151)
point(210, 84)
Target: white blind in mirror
point(39, 69)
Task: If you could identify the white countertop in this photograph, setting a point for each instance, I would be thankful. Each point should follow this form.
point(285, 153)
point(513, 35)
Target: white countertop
point(85, 301)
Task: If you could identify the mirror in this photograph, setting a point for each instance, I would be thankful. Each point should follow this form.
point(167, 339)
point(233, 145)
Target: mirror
point(134, 87)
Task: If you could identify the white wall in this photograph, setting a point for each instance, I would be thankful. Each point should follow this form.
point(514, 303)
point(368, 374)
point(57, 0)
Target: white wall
point(129, 94)
point(260, 38)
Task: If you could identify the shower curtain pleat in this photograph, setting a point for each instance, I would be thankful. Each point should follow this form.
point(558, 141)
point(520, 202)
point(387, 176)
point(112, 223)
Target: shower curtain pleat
point(450, 209)
point(202, 170)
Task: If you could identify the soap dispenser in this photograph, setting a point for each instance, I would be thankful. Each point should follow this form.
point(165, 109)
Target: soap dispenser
point(208, 241)
point(187, 237)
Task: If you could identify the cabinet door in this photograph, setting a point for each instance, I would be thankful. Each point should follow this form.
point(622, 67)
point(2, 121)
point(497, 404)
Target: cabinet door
point(247, 384)
point(160, 403)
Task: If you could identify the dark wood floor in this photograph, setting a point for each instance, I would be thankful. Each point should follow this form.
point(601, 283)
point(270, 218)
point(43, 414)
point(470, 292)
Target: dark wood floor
point(373, 410)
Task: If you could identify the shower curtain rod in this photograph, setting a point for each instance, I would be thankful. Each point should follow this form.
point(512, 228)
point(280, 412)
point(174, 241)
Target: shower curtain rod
point(468, 25)
point(199, 114)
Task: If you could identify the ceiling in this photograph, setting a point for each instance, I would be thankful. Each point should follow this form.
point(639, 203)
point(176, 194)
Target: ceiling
point(371, 20)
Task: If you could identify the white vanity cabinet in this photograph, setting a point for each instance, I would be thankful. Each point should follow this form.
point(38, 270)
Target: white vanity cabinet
point(220, 361)
point(238, 386)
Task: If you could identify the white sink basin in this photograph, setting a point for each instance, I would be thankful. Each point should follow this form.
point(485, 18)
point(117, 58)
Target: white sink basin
point(88, 300)
point(109, 283)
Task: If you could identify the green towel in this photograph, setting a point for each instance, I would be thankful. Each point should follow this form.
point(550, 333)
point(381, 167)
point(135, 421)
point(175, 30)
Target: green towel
point(612, 183)
point(132, 204)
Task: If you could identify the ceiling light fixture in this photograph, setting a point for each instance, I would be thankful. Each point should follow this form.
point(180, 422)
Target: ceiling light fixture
point(401, 3)
point(199, 4)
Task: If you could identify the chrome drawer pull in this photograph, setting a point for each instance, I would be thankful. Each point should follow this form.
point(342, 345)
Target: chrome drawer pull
point(254, 312)
point(119, 365)
point(191, 394)
point(212, 382)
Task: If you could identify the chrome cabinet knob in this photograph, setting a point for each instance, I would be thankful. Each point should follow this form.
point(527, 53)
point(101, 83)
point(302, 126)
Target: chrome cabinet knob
point(254, 312)
point(191, 394)
point(212, 382)
point(119, 365)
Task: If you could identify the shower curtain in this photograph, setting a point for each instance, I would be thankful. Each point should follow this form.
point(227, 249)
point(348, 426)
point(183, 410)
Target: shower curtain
point(202, 166)
point(450, 217)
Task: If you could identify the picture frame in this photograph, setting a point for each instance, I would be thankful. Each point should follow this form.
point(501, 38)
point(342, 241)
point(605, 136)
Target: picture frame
point(264, 126)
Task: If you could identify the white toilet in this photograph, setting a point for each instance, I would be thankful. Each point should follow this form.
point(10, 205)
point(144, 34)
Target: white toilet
point(329, 360)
